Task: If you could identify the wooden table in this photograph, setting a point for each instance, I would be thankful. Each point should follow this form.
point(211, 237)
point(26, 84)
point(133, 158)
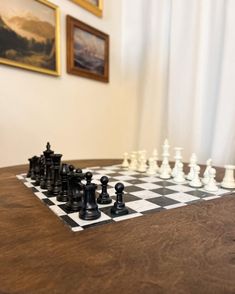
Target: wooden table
point(186, 250)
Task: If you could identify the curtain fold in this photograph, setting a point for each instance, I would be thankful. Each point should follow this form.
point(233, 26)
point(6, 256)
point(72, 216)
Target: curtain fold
point(178, 55)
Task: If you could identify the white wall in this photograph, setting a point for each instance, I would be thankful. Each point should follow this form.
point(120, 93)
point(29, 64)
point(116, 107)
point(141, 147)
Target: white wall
point(81, 118)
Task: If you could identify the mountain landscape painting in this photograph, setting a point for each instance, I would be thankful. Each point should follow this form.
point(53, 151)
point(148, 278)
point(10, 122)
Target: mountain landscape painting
point(28, 37)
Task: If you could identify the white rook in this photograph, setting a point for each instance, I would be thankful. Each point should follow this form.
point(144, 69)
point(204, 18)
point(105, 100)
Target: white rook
point(228, 180)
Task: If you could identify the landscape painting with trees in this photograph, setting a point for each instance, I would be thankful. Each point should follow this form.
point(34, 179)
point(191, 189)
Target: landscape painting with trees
point(28, 35)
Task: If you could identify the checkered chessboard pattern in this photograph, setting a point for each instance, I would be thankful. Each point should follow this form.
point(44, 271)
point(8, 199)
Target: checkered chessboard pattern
point(143, 195)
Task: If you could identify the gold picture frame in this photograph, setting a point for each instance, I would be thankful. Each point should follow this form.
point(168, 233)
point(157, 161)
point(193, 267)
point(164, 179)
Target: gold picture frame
point(30, 35)
point(87, 51)
point(95, 8)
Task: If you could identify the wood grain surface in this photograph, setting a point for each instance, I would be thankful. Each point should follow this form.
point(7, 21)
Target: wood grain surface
point(185, 250)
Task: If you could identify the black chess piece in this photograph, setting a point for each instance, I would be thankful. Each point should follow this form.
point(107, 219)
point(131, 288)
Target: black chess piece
point(50, 176)
point(36, 163)
point(30, 168)
point(74, 192)
point(48, 162)
point(89, 210)
point(63, 195)
point(33, 160)
point(71, 168)
point(79, 171)
point(119, 207)
point(104, 196)
point(56, 159)
point(42, 172)
point(88, 177)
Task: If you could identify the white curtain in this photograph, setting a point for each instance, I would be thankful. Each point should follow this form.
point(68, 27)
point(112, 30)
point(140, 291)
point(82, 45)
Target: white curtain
point(179, 63)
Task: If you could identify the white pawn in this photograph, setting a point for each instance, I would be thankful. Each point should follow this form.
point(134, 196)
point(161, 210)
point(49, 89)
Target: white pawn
point(178, 158)
point(165, 155)
point(165, 172)
point(228, 180)
point(211, 185)
point(196, 182)
point(155, 157)
point(125, 163)
point(133, 164)
point(152, 169)
point(206, 177)
point(179, 176)
point(142, 164)
point(155, 154)
point(192, 164)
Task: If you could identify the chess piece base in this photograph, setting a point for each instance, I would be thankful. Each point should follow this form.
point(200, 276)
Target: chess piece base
point(119, 211)
point(62, 198)
point(89, 214)
point(104, 200)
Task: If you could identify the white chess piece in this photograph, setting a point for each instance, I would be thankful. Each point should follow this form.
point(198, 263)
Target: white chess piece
point(192, 164)
point(125, 163)
point(155, 157)
point(165, 158)
point(178, 159)
point(179, 174)
point(152, 168)
point(142, 164)
point(196, 182)
point(211, 185)
point(206, 176)
point(133, 164)
point(165, 172)
point(155, 154)
point(140, 155)
point(228, 180)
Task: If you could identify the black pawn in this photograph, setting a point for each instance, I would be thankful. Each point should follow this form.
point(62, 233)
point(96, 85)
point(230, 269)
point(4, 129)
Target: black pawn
point(119, 207)
point(104, 196)
point(30, 168)
point(34, 162)
point(37, 171)
point(79, 171)
point(88, 177)
point(71, 168)
point(89, 210)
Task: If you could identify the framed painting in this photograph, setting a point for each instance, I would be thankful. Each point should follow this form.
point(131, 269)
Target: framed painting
point(29, 35)
point(94, 6)
point(87, 51)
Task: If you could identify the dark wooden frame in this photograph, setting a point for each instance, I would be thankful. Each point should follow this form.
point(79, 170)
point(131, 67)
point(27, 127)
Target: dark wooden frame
point(71, 24)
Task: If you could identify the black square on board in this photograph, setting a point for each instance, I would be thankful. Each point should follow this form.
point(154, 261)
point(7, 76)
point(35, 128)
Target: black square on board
point(136, 182)
point(155, 210)
point(48, 202)
point(162, 201)
point(131, 189)
point(69, 221)
point(199, 193)
point(98, 224)
point(163, 191)
point(165, 183)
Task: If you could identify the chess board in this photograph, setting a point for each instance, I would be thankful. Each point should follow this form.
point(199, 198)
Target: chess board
point(143, 195)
